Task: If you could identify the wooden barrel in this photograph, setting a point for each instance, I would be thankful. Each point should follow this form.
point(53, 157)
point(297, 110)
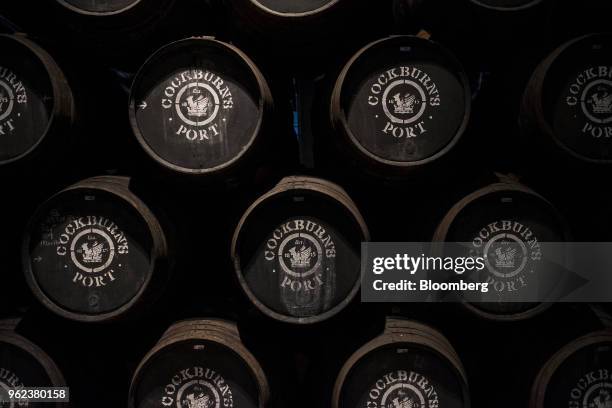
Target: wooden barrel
point(579, 375)
point(36, 106)
point(95, 252)
point(409, 365)
point(296, 250)
point(198, 106)
point(274, 10)
point(508, 214)
point(400, 103)
point(199, 363)
point(99, 20)
point(567, 105)
point(102, 8)
point(23, 364)
point(286, 21)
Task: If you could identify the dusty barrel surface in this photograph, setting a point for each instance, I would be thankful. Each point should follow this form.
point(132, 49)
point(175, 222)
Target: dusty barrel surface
point(579, 375)
point(95, 251)
point(36, 106)
point(399, 103)
point(198, 106)
point(199, 363)
point(23, 364)
point(296, 250)
point(505, 223)
point(409, 365)
point(568, 100)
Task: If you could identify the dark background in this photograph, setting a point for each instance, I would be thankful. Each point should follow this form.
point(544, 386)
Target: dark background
point(499, 54)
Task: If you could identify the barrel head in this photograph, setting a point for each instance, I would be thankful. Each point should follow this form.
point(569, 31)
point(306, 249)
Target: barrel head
point(402, 101)
point(194, 373)
point(577, 97)
point(197, 106)
point(505, 227)
point(402, 375)
point(298, 255)
point(27, 99)
point(88, 253)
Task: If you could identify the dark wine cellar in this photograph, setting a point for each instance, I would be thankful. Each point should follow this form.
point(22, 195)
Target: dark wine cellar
point(171, 170)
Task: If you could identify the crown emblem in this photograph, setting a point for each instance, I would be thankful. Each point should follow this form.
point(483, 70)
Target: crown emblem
point(301, 258)
point(602, 101)
point(505, 258)
point(200, 401)
point(404, 104)
point(405, 402)
point(92, 254)
point(197, 104)
point(603, 400)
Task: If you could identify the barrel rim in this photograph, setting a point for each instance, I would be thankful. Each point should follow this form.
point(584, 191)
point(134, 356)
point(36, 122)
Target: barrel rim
point(525, 6)
point(320, 186)
point(51, 369)
point(338, 115)
point(117, 313)
point(293, 16)
point(265, 101)
point(540, 385)
point(51, 67)
point(502, 185)
point(441, 347)
point(85, 12)
point(228, 341)
point(534, 92)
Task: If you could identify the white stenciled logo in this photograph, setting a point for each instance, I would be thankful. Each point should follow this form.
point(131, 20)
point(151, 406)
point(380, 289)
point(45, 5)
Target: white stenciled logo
point(404, 101)
point(12, 94)
point(597, 101)
point(592, 92)
point(6, 100)
point(198, 394)
point(95, 246)
point(599, 396)
point(92, 250)
point(197, 104)
point(510, 250)
point(303, 249)
point(197, 387)
point(300, 255)
point(403, 389)
point(505, 255)
point(593, 390)
point(405, 94)
point(197, 97)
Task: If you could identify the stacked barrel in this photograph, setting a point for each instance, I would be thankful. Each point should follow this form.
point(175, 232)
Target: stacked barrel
point(187, 188)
